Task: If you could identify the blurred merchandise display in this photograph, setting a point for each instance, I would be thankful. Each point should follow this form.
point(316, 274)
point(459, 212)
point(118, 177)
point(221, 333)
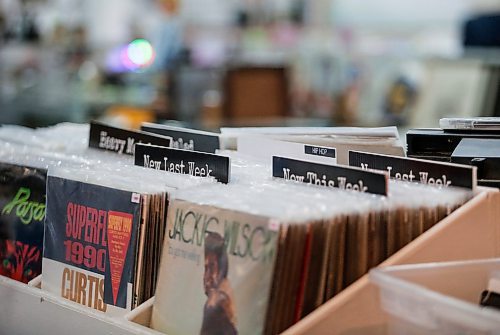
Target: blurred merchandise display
point(347, 63)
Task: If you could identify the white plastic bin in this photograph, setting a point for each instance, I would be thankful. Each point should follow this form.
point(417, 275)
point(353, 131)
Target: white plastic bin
point(438, 298)
point(26, 309)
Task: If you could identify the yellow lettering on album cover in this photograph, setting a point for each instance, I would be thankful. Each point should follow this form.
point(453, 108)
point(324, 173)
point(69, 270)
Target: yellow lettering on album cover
point(83, 289)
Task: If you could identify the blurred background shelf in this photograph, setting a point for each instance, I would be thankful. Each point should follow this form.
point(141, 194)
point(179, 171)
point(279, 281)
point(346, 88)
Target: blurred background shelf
point(345, 62)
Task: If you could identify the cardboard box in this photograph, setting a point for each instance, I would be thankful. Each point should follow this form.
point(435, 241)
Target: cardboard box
point(471, 232)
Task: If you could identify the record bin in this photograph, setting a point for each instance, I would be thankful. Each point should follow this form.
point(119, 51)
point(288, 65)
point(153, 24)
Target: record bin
point(471, 232)
point(438, 298)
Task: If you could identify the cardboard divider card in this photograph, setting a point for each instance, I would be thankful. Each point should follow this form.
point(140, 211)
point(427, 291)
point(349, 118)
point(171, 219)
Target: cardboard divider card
point(122, 141)
point(199, 164)
point(417, 170)
point(187, 139)
point(342, 177)
point(266, 148)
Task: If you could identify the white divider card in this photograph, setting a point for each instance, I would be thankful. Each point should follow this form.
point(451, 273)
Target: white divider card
point(266, 148)
point(184, 138)
point(343, 177)
point(122, 141)
point(417, 170)
point(199, 164)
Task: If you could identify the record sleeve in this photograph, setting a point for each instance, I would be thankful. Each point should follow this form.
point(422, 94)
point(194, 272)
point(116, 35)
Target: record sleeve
point(22, 215)
point(216, 271)
point(90, 244)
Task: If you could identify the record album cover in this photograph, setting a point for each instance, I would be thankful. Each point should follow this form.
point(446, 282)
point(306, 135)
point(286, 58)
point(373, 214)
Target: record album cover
point(216, 271)
point(90, 244)
point(22, 215)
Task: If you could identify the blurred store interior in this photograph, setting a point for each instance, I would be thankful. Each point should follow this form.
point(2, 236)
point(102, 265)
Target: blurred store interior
point(213, 63)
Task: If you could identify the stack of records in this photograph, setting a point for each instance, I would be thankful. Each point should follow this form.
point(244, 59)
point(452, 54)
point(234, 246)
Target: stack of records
point(25, 157)
point(257, 258)
point(104, 231)
point(23, 174)
point(253, 256)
